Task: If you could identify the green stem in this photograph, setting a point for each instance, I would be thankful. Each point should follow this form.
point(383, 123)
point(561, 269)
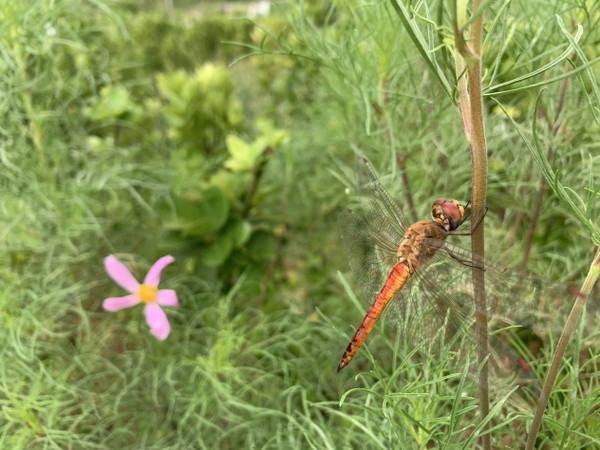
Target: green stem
point(471, 109)
point(561, 347)
point(256, 176)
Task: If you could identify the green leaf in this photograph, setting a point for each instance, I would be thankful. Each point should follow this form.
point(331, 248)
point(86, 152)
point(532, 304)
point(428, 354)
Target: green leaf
point(262, 246)
point(410, 25)
point(216, 253)
point(204, 216)
point(243, 155)
point(239, 231)
point(273, 136)
point(114, 102)
point(493, 90)
point(238, 149)
point(563, 193)
point(573, 41)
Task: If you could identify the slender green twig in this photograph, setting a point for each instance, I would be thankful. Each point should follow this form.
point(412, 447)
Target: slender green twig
point(561, 347)
point(420, 44)
point(386, 125)
point(256, 176)
point(554, 127)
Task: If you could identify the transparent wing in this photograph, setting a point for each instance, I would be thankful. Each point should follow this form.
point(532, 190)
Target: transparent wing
point(524, 312)
point(377, 206)
point(371, 235)
point(420, 316)
point(370, 253)
point(512, 297)
point(525, 315)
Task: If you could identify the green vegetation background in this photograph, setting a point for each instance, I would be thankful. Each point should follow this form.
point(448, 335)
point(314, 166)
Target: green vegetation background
point(126, 131)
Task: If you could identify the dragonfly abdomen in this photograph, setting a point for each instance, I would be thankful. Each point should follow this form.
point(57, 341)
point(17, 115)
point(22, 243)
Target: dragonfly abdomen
point(394, 282)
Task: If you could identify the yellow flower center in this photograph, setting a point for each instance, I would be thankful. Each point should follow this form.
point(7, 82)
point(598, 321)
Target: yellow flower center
point(147, 293)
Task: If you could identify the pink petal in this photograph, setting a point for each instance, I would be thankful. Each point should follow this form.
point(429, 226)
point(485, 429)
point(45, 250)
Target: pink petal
point(116, 303)
point(120, 274)
point(153, 277)
point(167, 297)
point(157, 321)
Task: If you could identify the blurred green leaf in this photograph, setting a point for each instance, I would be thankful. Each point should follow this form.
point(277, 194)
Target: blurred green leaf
point(243, 155)
point(114, 103)
point(217, 252)
point(203, 216)
point(200, 108)
point(239, 231)
point(262, 245)
point(273, 136)
point(233, 184)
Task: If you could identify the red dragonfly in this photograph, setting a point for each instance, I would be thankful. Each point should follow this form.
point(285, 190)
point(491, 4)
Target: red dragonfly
point(426, 278)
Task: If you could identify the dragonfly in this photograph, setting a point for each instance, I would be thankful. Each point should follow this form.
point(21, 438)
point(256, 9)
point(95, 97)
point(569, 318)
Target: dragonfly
point(426, 278)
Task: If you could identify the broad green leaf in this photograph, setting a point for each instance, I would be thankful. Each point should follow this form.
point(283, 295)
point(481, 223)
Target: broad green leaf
point(202, 216)
point(172, 238)
point(216, 253)
point(243, 155)
point(239, 231)
point(170, 85)
point(273, 136)
point(234, 185)
point(238, 149)
point(114, 102)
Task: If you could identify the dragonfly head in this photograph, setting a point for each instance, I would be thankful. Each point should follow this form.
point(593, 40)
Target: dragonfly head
point(450, 214)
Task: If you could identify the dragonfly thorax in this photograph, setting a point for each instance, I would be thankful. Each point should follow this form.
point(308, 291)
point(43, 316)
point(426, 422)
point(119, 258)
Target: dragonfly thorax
point(421, 242)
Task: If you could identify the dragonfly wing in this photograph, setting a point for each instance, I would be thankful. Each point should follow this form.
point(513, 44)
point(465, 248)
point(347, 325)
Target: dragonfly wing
point(379, 209)
point(370, 253)
point(512, 298)
point(418, 314)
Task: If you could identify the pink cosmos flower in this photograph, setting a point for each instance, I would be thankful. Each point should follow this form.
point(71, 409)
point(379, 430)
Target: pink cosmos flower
point(147, 293)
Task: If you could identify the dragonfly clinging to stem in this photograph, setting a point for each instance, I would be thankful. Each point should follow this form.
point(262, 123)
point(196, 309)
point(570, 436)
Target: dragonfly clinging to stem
point(414, 267)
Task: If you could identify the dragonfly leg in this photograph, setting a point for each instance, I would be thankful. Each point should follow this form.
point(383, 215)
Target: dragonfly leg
point(462, 260)
point(474, 225)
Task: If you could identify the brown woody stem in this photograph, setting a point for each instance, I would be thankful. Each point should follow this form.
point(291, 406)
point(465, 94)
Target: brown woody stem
point(471, 110)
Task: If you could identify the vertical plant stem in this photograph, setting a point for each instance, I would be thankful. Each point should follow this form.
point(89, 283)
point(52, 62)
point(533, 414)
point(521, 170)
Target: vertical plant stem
point(34, 129)
point(554, 126)
point(535, 216)
point(256, 176)
point(479, 187)
point(386, 124)
point(515, 227)
point(561, 347)
point(401, 163)
point(472, 117)
point(464, 103)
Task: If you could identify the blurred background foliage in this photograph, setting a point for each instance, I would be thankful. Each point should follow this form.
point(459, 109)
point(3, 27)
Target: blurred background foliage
point(147, 128)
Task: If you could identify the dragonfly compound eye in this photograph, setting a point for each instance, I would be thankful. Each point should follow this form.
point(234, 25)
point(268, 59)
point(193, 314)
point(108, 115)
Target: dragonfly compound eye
point(455, 213)
point(449, 212)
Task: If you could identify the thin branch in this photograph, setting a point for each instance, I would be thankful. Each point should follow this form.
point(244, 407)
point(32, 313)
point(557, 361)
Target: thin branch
point(561, 347)
point(256, 176)
point(554, 126)
point(400, 159)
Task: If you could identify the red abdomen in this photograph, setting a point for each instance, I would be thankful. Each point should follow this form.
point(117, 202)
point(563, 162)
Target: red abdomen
point(395, 280)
